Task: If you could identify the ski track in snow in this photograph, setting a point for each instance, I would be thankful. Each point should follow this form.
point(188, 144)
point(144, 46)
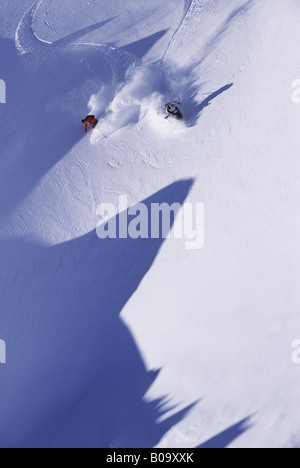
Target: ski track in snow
point(188, 7)
point(120, 61)
point(25, 38)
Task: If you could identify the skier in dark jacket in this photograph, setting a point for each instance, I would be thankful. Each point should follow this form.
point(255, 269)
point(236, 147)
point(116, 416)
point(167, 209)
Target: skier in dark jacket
point(172, 109)
point(89, 120)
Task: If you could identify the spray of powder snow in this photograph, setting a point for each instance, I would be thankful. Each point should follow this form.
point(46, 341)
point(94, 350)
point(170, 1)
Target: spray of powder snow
point(141, 98)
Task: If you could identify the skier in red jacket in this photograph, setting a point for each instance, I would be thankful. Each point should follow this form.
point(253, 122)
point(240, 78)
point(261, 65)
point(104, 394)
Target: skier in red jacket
point(89, 120)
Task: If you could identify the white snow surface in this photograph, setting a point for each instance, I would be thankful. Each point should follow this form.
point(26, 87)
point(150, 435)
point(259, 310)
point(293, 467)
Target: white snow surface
point(124, 343)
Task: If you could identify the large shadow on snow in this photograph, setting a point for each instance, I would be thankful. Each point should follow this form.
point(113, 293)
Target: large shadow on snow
point(47, 93)
point(75, 376)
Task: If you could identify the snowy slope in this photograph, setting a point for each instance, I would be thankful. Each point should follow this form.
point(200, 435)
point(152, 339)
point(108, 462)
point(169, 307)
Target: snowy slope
point(128, 343)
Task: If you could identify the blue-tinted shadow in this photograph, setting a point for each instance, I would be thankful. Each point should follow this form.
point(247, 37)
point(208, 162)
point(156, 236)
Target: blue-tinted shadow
point(224, 439)
point(76, 377)
point(193, 108)
point(141, 48)
point(40, 122)
point(71, 38)
point(213, 96)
